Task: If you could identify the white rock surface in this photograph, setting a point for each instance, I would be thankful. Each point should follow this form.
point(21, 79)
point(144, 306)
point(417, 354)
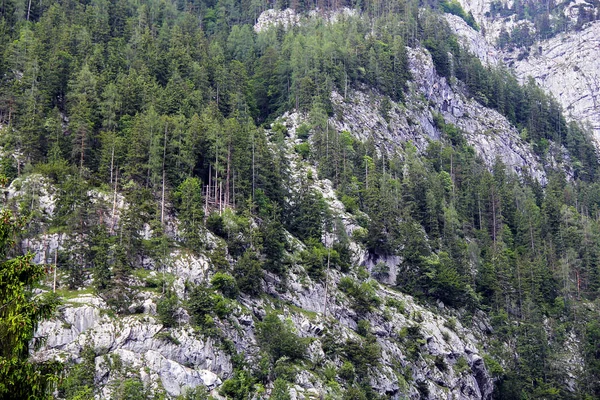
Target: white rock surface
point(185, 361)
point(568, 66)
point(472, 40)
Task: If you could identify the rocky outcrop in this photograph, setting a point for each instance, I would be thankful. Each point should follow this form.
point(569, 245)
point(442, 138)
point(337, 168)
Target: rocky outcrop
point(489, 132)
point(473, 40)
point(567, 66)
point(178, 360)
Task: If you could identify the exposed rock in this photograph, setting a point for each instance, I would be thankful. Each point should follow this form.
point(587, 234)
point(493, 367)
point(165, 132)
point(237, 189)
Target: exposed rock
point(178, 359)
point(473, 41)
point(567, 66)
point(489, 132)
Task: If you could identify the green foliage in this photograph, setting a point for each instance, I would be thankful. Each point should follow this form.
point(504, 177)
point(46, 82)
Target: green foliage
point(239, 387)
point(347, 372)
point(278, 339)
point(461, 366)
point(131, 389)
point(197, 393)
point(248, 273)
point(363, 296)
point(303, 149)
point(364, 355)
point(79, 383)
point(591, 351)
point(191, 213)
point(203, 304)
point(166, 308)
point(280, 390)
point(226, 284)
point(20, 313)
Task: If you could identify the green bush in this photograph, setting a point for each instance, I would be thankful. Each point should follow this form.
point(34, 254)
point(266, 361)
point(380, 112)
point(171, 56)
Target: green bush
point(238, 387)
point(363, 296)
point(203, 303)
point(354, 393)
point(280, 390)
point(303, 131)
point(215, 224)
point(461, 366)
point(166, 308)
point(363, 354)
point(248, 273)
point(347, 372)
point(226, 284)
point(278, 339)
point(303, 149)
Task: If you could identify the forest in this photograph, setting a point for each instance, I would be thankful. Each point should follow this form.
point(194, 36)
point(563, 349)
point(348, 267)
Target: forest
point(173, 106)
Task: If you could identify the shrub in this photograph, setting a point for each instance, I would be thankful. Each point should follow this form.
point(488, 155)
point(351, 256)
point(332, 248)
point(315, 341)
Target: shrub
point(280, 390)
point(215, 224)
point(347, 372)
point(354, 393)
point(303, 149)
point(364, 327)
point(204, 303)
point(303, 131)
point(226, 284)
point(363, 296)
point(248, 273)
point(197, 393)
point(278, 339)
point(461, 366)
point(362, 354)
point(166, 309)
point(238, 387)
point(285, 369)
point(450, 323)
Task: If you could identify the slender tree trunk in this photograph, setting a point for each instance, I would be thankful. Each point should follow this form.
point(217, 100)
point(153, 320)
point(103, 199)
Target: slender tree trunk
point(114, 208)
point(162, 205)
point(228, 173)
point(112, 160)
point(207, 192)
point(55, 266)
point(82, 152)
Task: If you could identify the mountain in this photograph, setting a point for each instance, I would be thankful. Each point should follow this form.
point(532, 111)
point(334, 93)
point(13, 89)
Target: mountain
point(346, 201)
point(559, 50)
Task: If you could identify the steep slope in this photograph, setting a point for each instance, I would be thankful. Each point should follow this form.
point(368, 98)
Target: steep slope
point(566, 65)
point(324, 208)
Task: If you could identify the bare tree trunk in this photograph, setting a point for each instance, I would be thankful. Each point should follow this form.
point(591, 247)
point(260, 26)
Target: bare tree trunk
point(162, 205)
point(112, 160)
point(55, 266)
point(207, 192)
point(326, 282)
point(82, 153)
point(114, 209)
point(228, 173)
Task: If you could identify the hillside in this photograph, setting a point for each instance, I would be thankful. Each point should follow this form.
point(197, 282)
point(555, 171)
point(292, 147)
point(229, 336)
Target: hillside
point(347, 202)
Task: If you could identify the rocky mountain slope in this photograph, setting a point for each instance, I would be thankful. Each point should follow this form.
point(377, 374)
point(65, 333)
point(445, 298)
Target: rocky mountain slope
point(322, 325)
point(566, 65)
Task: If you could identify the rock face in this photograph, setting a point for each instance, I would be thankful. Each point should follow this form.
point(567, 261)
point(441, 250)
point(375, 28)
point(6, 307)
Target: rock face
point(489, 132)
point(566, 65)
point(473, 41)
point(175, 361)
